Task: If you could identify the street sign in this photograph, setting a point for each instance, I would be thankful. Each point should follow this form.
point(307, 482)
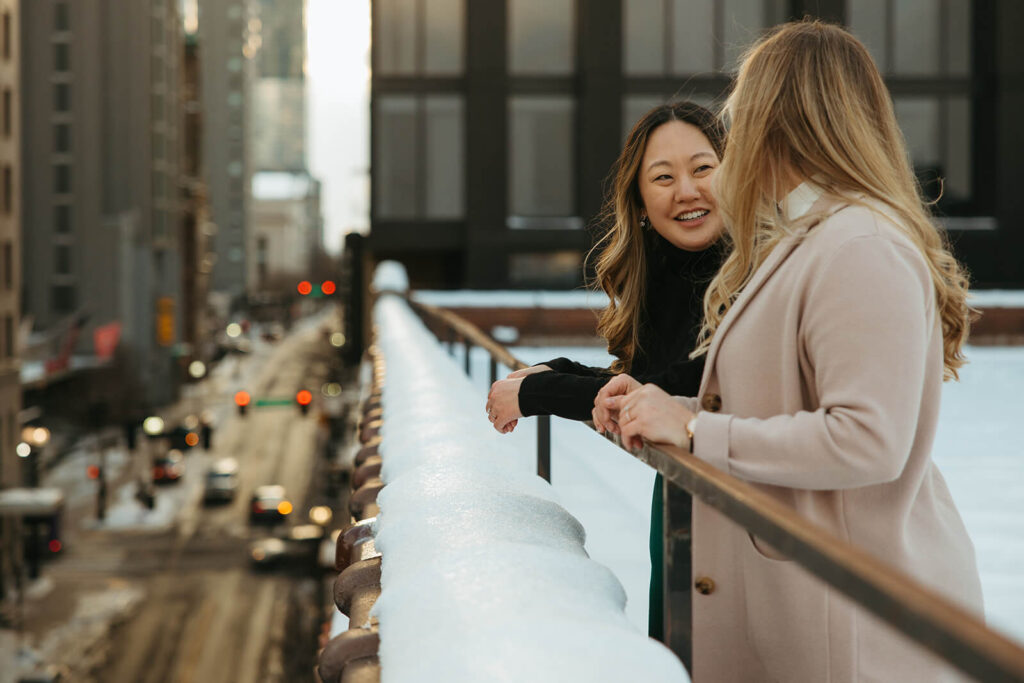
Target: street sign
point(273, 402)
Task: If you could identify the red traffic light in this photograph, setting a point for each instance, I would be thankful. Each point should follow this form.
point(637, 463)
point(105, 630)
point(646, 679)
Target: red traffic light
point(93, 471)
point(327, 287)
point(305, 287)
point(242, 398)
point(304, 397)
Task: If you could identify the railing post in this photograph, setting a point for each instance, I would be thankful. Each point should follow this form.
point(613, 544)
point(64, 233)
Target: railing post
point(494, 370)
point(544, 447)
point(466, 364)
point(676, 572)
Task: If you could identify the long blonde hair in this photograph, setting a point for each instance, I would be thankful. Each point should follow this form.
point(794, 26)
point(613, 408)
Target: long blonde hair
point(621, 268)
point(810, 102)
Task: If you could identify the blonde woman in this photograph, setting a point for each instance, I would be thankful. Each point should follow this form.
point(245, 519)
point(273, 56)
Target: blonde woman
point(827, 333)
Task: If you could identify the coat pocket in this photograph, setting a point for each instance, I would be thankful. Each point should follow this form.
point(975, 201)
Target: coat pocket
point(786, 615)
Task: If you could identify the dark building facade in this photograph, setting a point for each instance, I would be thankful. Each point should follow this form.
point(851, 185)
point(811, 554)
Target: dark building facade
point(495, 124)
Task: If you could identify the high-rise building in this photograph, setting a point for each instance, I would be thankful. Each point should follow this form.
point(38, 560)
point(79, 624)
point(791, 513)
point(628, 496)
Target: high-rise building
point(10, 280)
point(226, 46)
point(495, 123)
point(101, 208)
point(279, 85)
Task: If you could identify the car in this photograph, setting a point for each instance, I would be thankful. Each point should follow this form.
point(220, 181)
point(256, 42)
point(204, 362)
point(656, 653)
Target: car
point(299, 549)
point(269, 505)
point(221, 481)
point(168, 468)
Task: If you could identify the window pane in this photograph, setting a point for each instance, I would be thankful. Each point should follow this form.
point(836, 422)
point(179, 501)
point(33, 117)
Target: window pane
point(62, 57)
point(919, 119)
point(62, 218)
point(445, 30)
point(541, 39)
point(958, 145)
point(958, 37)
point(62, 138)
point(540, 156)
point(643, 37)
point(635, 106)
point(62, 259)
point(555, 270)
point(866, 19)
point(744, 20)
point(396, 36)
point(62, 97)
point(62, 179)
point(61, 21)
point(693, 24)
point(445, 157)
point(916, 49)
point(395, 156)
point(63, 299)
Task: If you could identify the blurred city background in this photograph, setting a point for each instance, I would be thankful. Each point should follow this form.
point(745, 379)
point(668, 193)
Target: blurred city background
point(195, 192)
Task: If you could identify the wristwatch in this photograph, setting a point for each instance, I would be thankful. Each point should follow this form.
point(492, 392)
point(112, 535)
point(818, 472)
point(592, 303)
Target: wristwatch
point(690, 426)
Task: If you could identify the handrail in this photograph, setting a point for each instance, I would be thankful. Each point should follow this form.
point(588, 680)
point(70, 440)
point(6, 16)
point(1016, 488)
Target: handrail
point(925, 616)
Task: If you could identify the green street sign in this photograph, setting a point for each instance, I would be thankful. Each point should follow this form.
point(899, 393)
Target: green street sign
point(260, 402)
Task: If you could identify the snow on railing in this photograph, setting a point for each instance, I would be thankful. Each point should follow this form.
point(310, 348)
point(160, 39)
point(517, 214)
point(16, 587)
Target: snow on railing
point(484, 575)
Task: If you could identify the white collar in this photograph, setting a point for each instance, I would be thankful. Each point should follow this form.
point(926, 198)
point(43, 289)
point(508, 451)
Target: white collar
point(798, 202)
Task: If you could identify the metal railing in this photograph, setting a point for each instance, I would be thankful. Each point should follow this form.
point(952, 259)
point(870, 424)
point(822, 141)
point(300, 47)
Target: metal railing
point(927, 617)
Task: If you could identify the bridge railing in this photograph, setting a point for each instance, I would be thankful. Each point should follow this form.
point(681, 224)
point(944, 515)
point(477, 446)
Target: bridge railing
point(929, 618)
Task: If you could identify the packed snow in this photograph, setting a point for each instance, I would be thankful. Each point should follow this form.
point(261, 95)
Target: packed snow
point(485, 575)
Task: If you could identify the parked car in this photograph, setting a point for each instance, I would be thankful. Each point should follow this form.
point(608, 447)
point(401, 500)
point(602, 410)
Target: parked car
point(221, 481)
point(269, 505)
point(296, 549)
point(168, 468)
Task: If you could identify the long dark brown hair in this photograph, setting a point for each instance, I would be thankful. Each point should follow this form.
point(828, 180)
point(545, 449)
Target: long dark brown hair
point(621, 269)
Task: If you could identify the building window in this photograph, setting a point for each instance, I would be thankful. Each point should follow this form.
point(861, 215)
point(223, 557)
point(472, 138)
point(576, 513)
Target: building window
point(8, 112)
point(551, 270)
point(62, 138)
point(424, 37)
point(9, 349)
point(62, 178)
point(62, 218)
point(541, 151)
point(8, 266)
point(62, 97)
point(8, 198)
point(923, 48)
point(7, 35)
point(419, 156)
point(61, 20)
point(541, 37)
point(61, 57)
point(686, 37)
point(63, 298)
point(62, 259)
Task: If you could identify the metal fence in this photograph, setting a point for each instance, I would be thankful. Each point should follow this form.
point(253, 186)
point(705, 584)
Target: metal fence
point(927, 617)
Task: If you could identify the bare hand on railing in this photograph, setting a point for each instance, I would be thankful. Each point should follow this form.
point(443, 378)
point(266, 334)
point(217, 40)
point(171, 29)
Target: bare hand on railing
point(649, 413)
point(523, 372)
point(503, 403)
point(605, 419)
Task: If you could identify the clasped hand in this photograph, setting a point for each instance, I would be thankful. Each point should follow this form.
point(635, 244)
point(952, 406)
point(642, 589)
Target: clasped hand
point(640, 411)
point(503, 399)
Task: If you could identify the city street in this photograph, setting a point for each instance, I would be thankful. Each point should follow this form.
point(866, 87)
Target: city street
point(192, 606)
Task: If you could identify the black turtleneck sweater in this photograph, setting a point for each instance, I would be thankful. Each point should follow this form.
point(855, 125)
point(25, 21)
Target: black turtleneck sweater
point(669, 323)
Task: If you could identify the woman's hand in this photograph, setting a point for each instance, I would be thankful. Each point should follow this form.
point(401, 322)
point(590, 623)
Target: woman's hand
point(606, 419)
point(503, 404)
point(523, 372)
point(649, 413)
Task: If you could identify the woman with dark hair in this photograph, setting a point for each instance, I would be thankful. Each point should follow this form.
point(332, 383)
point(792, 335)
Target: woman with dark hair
point(654, 262)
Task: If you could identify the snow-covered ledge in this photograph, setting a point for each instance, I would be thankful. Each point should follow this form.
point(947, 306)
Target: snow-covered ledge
point(484, 574)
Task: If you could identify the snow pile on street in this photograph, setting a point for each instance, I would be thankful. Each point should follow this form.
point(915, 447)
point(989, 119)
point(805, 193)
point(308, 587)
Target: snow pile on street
point(484, 574)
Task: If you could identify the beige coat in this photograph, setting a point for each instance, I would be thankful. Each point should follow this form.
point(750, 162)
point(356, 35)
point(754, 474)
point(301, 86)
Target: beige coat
point(822, 387)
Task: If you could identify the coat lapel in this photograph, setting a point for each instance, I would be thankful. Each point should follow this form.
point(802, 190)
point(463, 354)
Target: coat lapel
point(822, 209)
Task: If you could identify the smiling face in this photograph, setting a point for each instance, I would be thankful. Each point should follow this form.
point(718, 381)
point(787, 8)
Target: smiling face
point(675, 186)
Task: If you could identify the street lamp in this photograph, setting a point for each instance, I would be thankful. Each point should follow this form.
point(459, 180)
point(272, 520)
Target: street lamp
point(153, 426)
point(33, 439)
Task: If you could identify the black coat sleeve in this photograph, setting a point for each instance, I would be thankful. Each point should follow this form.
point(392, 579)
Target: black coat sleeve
point(571, 367)
point(557, 393)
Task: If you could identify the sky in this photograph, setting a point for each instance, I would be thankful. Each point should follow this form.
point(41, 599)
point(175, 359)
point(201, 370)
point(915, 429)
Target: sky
point(338, 73)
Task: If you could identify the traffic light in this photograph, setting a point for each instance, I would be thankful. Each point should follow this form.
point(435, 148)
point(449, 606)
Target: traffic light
point(328, 287)
point(304, 398)
point(305, 287)
point(242, 400)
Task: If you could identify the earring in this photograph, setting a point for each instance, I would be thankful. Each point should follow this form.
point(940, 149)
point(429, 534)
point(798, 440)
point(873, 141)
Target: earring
point(643, 223)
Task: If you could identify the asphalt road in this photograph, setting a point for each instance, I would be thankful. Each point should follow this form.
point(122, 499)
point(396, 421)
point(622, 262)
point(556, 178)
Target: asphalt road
point(205, 614)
